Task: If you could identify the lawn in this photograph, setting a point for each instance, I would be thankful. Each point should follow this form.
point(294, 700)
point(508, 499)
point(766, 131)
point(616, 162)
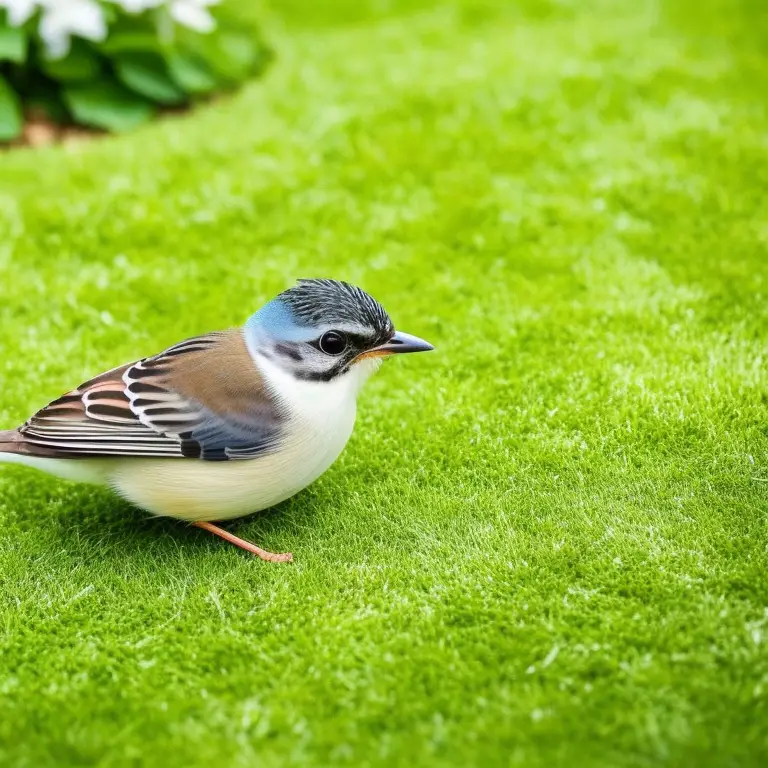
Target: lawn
point(546, 542)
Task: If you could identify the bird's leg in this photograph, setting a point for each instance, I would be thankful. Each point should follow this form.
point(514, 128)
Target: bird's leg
point(272, 557)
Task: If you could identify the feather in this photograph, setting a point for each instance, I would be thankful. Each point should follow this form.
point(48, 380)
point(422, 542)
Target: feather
point(202, 398)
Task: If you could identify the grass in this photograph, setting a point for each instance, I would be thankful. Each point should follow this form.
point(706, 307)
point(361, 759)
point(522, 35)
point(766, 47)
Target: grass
point(546, 542)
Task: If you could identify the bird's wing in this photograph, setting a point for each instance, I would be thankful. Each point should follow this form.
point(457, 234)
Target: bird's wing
point(202, 398)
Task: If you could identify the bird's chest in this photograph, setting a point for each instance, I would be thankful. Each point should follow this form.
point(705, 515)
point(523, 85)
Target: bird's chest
point(320, 417)
point(219, 490)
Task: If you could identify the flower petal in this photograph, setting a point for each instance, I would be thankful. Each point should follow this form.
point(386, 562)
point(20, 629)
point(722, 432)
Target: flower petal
point(19, 11)
point(55, 36)
point(136, 6)
point(192, 15)
point(88, 21)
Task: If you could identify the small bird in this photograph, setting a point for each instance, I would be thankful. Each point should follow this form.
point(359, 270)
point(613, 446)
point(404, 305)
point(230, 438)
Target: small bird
point(224, 424)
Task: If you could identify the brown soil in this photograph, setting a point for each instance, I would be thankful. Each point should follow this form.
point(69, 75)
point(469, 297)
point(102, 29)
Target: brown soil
point(39, 131)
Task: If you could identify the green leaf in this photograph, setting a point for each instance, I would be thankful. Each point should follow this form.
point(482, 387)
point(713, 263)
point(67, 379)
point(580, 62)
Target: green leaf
point(81, 63)
point(11, 122)
point(146, 74)
point(191, 72)
point(13, 44)
point(233, 54)
point(107, 104)
point(122, 42)
point(49, 104)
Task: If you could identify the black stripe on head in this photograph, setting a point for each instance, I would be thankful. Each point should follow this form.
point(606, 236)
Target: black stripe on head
point(286, 350)
point(310, 375)
point(325, 302)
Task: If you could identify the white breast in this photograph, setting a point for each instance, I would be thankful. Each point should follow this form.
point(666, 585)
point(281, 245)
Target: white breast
point(322, 415)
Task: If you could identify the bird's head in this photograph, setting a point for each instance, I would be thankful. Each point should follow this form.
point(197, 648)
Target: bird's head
point(320, 330)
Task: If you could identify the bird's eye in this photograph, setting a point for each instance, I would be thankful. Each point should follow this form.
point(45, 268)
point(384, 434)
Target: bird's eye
point(333, 343)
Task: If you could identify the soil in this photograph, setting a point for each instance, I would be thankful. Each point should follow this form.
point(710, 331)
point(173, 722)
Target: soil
point(39, 131)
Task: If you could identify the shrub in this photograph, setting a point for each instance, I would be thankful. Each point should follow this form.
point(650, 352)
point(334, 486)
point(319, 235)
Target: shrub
point(111, 64)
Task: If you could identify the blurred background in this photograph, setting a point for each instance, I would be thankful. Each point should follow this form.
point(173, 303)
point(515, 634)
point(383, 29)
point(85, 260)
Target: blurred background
point(546, 541)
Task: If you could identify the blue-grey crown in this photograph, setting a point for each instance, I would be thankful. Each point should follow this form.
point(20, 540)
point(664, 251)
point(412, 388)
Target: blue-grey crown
point(319, 300)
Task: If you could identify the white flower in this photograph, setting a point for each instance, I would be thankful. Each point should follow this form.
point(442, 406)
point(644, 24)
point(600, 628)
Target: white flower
point(193, 14)
point(64, 18)
point(137, 6)
point(19, 11)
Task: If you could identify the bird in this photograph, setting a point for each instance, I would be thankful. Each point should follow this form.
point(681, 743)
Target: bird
point(227, 423)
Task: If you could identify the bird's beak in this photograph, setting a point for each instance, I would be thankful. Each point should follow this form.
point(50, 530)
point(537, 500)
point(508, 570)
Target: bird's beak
point(402, 342)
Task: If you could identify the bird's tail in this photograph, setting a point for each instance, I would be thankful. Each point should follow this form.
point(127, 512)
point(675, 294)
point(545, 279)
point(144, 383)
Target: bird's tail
point(10, 443)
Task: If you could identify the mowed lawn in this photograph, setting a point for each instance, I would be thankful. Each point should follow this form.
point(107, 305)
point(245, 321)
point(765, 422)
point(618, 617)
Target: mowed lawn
point(546, 543)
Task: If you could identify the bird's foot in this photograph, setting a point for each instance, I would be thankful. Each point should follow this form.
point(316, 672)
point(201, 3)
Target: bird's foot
point(272, 557)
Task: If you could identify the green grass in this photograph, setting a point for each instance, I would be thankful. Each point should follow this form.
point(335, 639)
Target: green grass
point(546, 542)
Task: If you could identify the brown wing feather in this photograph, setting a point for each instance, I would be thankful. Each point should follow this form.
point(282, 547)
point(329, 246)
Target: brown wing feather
point(200, 398)
point(95, 419)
